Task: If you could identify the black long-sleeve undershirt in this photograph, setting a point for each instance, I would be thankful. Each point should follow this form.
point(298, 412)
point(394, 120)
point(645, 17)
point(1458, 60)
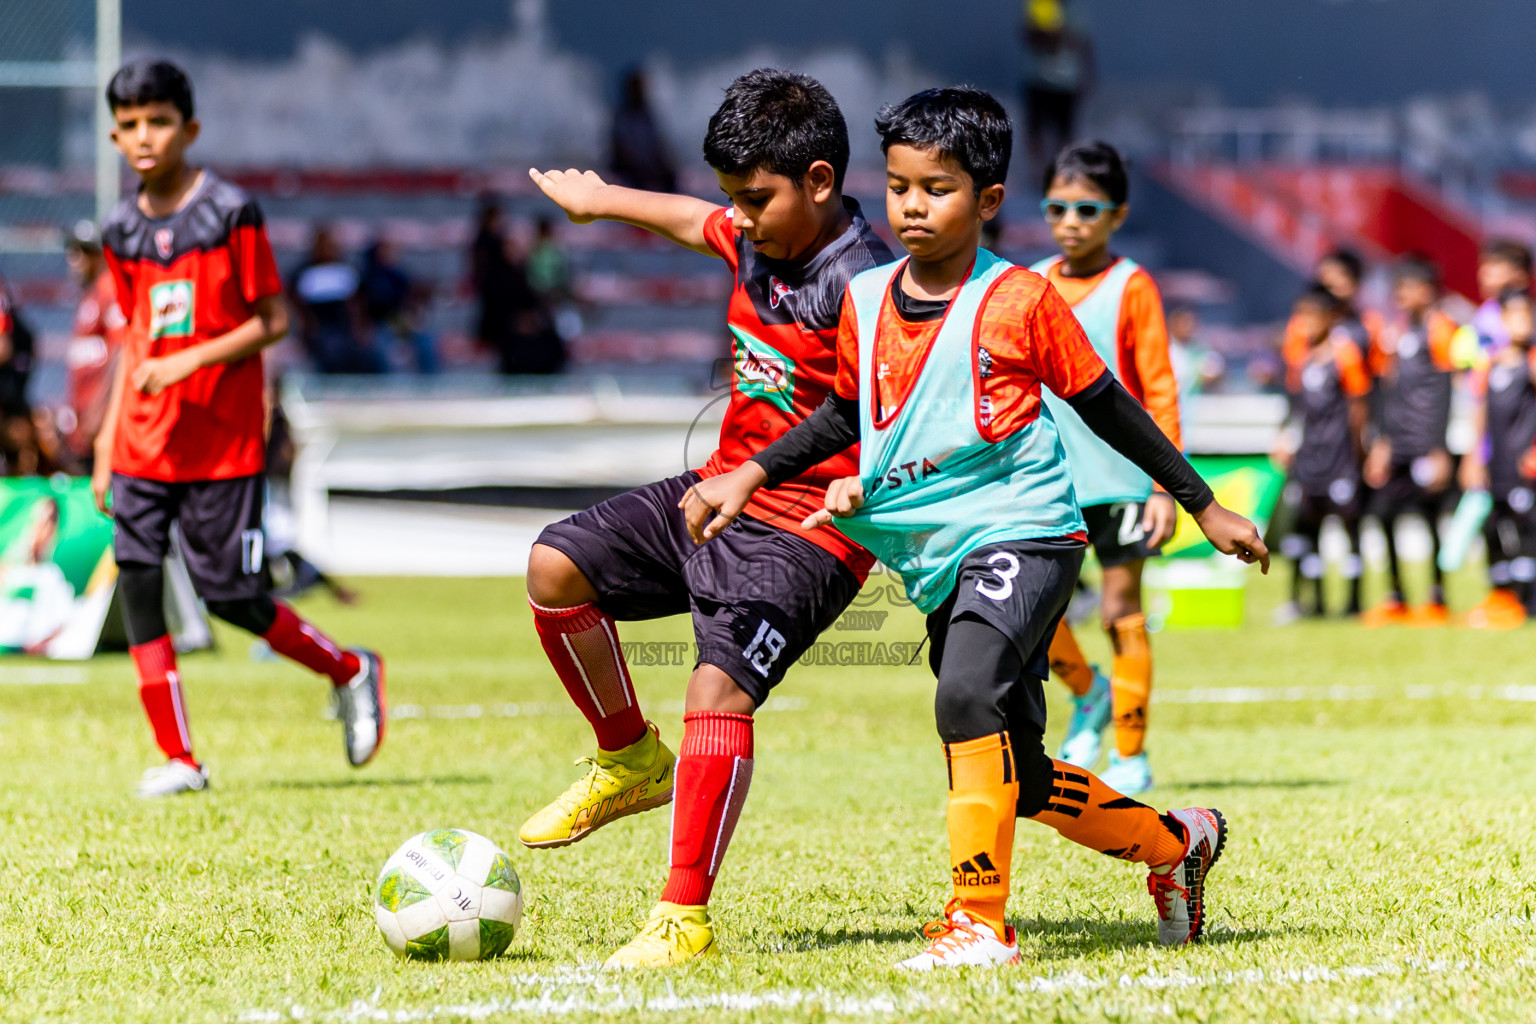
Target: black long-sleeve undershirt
point(1105, 406)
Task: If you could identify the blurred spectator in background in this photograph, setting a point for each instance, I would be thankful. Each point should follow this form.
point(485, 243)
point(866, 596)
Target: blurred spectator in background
point(1341, 272)
point(91, 359)
point(394, 305)
point(1197, 367)
point(637, 154)
point(514, 323)
point(326, 304)
point(22, 451)
point(1503, 266)
point(1058, 75)
point(549, 274)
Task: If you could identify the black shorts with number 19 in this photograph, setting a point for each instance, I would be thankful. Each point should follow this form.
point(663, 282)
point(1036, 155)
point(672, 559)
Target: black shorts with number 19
point(759, 595)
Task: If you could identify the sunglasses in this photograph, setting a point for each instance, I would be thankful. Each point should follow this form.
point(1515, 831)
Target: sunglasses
point(1087, 210)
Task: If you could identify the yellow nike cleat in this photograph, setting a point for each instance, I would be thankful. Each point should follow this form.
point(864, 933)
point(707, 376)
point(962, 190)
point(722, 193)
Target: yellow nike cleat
point(619, 782)
point(673, 935)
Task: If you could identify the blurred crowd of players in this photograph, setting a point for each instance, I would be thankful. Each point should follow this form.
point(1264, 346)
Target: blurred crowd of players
point(1371, 392)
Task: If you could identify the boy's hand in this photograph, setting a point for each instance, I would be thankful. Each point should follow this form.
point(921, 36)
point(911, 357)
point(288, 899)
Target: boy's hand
point(572, 190)
point(1233, 535)
point(1160, 519)
point(844, 498)
point(1474, 475)
point(101, 481)
point(154, 375)
point(711, 505)
point(1378, 464)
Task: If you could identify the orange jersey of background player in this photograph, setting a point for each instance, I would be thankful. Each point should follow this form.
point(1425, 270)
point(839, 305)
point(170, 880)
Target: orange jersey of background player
point(1143, 365)
point(1028, 332)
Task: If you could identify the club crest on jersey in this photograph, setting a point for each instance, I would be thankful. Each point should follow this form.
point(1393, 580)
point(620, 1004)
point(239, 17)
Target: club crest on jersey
point(170, 310)
point(164, 243)
point(778, 291)
point(762, 371)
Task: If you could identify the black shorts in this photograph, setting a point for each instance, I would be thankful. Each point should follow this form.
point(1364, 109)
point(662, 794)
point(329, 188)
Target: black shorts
point(220, 526)
point(1116, 534)
point(1020, 588)
point(1402, 493)
point(759, 595)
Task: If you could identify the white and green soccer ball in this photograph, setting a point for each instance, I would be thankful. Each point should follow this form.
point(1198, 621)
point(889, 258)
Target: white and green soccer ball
point(448, 894)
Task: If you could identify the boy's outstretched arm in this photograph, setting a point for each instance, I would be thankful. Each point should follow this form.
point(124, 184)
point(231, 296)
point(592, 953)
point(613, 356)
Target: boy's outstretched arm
point(585, 197)
point(1111, 413)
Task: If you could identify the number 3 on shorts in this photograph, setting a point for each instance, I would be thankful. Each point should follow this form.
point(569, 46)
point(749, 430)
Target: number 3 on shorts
point(1005, 566)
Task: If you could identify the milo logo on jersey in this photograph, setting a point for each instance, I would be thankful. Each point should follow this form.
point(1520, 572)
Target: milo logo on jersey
point(170, 310)
point(763, 372)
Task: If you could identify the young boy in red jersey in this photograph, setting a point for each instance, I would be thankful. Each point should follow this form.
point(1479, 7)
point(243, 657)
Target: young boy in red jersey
point(964, 490)
point(185, 432)
point(779, 146)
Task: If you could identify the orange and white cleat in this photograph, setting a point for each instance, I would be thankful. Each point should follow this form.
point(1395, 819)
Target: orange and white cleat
point(1179, 891)
point(1428, 616)
point(957, 941)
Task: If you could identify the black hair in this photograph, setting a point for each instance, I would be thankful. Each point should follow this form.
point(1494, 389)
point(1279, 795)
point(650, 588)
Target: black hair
point(1350, 260)
point(1098, 163)
point(777, 121)
point(151, 81)
point(963, 124)
point(1418, 267)
point(1509, 251)
point(1317, 294)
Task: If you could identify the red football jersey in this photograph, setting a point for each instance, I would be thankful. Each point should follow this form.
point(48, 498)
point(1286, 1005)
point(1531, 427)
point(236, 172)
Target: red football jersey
point(783, 323)
point(183, 280)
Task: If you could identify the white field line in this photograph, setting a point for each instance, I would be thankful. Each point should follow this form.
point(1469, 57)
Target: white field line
point(1312, 694)
point(587, 991)
point(538, 709)
point(1195, 695)
point(41, 675)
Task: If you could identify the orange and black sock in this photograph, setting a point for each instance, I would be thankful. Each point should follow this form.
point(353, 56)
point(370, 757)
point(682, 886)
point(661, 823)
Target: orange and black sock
point(983, 797)
point(1086, 811)
point(1130, 682)
point(1068, 663)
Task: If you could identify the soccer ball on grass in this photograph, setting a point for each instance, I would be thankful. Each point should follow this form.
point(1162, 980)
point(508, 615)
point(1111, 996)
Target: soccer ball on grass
point(448, 894)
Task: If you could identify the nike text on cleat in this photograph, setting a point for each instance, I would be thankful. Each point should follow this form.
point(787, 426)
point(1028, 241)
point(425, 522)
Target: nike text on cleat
point(1179, 893)
point(361, 709)
point(1090, 716)
point(617, 783)
point(1128, 775)
point(672, 935)
point(171, 778)
point(957, 941)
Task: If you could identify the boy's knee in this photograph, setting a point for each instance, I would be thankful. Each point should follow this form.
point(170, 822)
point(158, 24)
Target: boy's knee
point(554, 581)
point(712, 689)
point(252, 614)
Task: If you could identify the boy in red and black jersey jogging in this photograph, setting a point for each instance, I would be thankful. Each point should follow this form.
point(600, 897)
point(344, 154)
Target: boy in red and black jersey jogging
point(779, 146)
point(185, 432)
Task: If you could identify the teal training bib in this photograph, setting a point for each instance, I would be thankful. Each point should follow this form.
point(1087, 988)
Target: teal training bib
point(934, 488)
point(1101, 475)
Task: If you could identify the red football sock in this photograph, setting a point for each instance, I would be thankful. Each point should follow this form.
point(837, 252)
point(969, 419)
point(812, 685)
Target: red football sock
point(582, 644)
point(298, 641)
point(160, 693)
point(714, 770)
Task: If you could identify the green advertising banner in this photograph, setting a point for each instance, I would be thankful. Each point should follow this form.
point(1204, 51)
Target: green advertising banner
point(55, 563)
point(1247, 484)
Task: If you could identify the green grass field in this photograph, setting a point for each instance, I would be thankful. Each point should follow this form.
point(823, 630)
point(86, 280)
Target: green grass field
point(1380, 862)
